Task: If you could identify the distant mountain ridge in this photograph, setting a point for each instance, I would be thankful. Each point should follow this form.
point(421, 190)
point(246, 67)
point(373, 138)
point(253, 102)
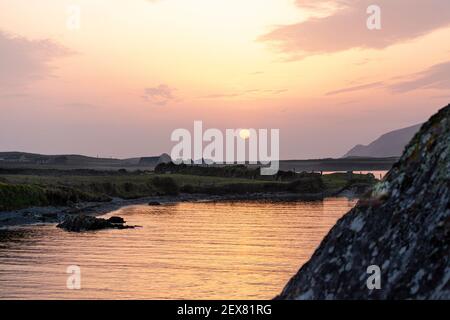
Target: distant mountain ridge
point(390, 144)
point(74, 160)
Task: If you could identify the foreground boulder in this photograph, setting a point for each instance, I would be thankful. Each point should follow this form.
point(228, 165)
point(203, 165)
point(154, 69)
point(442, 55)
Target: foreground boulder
point(401, 232)
point(115, 219)
point(78, 223)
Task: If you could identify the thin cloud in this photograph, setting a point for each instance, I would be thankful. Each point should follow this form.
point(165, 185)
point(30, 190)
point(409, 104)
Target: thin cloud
point(364, 61)
point(345, 26)
point(79, 105)
point(243, 93)
point(356, 88)
point(221, 95)
point(276, 91)
point(24, 61)
point(256, 73)
point(160, 95)
point(14, 96)
point(435, 77)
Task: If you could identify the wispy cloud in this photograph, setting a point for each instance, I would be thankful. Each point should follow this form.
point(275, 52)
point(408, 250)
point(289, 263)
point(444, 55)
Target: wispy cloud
point(159, 95)
point(14, 96)
point(23, 60)
point(221, 95)
point(345, 26)
point(435, 77)
point(356, 88)
point(243, 93)
point(79, 106)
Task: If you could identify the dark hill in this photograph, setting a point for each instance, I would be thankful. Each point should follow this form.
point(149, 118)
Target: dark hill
point(390, 144)
point(74, 161)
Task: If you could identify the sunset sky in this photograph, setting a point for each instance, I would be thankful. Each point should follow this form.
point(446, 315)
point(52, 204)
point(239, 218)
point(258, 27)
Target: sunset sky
point(136, 70)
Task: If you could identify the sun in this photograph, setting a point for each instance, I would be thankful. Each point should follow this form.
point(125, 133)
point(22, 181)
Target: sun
point(244, 134)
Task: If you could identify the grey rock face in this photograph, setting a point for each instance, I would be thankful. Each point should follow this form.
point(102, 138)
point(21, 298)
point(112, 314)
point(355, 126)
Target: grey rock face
point(402, 227)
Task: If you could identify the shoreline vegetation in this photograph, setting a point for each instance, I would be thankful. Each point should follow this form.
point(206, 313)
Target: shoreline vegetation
point(46, 195)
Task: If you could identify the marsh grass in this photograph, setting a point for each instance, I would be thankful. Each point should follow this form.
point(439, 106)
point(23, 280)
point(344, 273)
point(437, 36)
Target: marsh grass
point(25, 190)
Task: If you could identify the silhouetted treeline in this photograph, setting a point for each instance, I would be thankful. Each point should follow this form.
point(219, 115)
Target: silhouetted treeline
point(230, 171)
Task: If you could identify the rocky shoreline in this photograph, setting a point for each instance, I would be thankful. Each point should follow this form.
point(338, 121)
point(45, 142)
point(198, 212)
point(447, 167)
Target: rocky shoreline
point(45, 215)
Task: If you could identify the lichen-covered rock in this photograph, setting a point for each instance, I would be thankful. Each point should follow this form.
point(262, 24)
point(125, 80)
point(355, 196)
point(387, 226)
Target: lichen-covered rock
point(402, 228)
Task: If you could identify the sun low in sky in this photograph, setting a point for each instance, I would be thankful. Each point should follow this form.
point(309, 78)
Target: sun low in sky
point(115, 78)
point(244, 134)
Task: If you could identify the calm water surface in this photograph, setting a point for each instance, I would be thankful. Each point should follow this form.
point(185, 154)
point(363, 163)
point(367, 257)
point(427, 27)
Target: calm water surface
point(245, 250)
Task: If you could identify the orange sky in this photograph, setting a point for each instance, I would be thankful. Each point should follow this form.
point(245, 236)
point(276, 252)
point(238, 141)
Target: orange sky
point(136, 70)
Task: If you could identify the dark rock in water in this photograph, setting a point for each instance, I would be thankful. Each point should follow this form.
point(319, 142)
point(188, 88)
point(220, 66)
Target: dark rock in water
point(78, 223)
point(401, 230)
point(115, 219)
point(154, 203)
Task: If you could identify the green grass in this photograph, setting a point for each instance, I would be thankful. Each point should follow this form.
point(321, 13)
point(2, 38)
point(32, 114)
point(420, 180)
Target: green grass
point(20, 196)
point(336, 181)
point(24, 190)
point(185, 179)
